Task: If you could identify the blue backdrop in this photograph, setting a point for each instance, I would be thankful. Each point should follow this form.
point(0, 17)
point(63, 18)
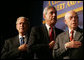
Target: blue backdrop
point(63, 7)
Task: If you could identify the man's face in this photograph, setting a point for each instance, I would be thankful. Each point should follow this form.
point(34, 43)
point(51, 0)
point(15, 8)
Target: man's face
point(22, 26)
point(50, 17)
point(71, 20)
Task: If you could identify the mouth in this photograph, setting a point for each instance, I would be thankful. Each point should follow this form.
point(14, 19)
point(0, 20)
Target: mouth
point(22, 28)
point(54, 18)
point(74, 23)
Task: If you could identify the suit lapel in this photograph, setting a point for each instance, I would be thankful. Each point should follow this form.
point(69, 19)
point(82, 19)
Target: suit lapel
point(45, 33)
point(66, 35)
point(55, 33)
point(16, 41)
point(27, 39)
point(78, 34)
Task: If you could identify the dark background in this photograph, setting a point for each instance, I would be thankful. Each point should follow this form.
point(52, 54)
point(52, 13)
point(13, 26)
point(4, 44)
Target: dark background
point(10, 11)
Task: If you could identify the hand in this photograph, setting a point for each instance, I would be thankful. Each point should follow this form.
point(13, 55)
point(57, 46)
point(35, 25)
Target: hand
point(23, 47)
point(73, 44)
point(51, 44)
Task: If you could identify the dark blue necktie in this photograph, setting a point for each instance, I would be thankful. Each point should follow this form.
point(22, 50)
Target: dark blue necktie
point(21, 40)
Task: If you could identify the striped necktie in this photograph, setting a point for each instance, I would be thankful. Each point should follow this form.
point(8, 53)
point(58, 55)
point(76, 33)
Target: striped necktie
point(21, 40)
point(71, 35)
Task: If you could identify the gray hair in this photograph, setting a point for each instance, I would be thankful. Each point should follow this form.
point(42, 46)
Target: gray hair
point(46, 9)
point(22, 18)
point(72, 11)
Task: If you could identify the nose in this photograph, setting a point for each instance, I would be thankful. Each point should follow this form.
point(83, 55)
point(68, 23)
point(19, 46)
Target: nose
point(22, 25)
point(54, 14)
point(73, 18)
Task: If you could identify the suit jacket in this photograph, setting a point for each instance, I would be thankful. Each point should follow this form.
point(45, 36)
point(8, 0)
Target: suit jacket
point(39, 42)
point(59, 50)
point(10, 49)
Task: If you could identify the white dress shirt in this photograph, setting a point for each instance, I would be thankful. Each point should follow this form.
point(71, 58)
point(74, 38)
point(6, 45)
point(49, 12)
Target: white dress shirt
point(25, 38)
point(73, 33)
point(48, 27)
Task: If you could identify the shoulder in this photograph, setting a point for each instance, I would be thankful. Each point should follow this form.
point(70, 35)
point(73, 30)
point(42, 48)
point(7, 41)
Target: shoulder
point(11, 39)
point(36, 28)
point(79, 30)
point(62, 34)
point(59, 29)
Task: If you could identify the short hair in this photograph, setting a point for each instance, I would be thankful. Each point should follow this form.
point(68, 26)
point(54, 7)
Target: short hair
point(23, 18)
point(72, 11)
point(48, 7)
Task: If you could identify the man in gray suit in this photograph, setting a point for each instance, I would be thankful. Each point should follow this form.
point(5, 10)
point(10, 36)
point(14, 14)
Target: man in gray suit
point(13, 47)
point(64, 48)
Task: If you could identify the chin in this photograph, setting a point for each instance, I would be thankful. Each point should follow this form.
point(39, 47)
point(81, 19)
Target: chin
point(21, 31)
point(74, 27)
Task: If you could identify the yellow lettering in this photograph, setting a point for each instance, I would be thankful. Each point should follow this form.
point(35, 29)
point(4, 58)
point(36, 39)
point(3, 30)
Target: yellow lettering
point(53, 2)
point(79, 1)
point(60, 6)
point(72, 2)
point(68, 4)
point(49, 3)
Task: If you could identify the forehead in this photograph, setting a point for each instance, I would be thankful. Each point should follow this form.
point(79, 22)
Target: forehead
point(21, 20)
point(69, 14)
point(51, 10)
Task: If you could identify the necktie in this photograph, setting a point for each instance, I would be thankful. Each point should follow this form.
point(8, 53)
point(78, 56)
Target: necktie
point(21, 40)
point(51, 34)
point(71, 36)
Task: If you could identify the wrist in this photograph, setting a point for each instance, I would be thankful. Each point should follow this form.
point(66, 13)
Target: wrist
point(66, 46)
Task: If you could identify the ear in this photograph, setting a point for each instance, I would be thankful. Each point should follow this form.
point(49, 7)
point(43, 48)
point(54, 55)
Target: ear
point(16, 26)
point(44, 16)
point(64, 21)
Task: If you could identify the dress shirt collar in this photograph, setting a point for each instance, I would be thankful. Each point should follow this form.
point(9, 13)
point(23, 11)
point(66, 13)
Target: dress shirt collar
point(48, 27)
point(73, 30)
point(25, 38)
point(22, 36)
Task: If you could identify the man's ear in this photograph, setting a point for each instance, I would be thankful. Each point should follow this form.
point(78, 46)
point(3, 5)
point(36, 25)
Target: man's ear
point(44, 16)
point(64, 21)
point(16, 26)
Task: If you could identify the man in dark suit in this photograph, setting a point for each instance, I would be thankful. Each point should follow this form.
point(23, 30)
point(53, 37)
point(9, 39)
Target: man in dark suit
point(70, 45)
point(39, 42)
point(13, 47)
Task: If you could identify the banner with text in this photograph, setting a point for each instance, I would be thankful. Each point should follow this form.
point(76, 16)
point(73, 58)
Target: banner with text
point(63, 7)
